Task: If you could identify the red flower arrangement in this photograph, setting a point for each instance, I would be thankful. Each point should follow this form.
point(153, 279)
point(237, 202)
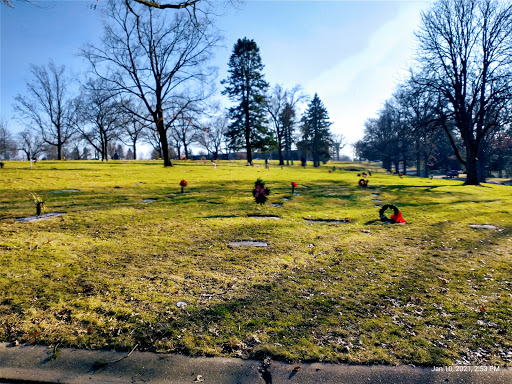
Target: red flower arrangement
point(294, 185)
point(183, 184)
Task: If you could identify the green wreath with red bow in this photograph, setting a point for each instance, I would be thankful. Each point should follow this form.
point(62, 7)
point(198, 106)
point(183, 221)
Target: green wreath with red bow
point(396, 217)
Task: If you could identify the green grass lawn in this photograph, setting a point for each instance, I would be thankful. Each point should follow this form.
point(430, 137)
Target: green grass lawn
point(109, 273)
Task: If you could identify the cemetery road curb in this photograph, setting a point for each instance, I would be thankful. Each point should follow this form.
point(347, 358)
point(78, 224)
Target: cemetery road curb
point(34, 364)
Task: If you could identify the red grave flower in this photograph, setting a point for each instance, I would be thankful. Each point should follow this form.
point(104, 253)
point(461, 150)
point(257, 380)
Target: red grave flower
point(183, 184)
point(294, 185)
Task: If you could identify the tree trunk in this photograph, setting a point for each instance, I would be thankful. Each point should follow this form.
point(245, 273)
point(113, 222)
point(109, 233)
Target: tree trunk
point(281, 157)
point(418, 159)
point(59, 145)
point(425, 161)
point(178, 150)
point(185, 148)
point(386, 164)
point(481, 161)
point(104, 147)
point(164, 144)
point(102, 151)
point(248, 144)
point(471, 170)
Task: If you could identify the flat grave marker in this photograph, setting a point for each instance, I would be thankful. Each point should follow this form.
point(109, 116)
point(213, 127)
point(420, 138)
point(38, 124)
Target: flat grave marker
point(65, 191)
point(44, 216)
point(258, 244)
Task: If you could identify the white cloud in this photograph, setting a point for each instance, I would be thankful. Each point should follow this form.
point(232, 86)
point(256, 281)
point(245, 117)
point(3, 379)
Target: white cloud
point(354, 89)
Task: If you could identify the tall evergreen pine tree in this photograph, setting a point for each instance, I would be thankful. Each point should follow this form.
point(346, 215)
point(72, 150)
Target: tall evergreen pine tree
point(246, 86)
point(316, 135)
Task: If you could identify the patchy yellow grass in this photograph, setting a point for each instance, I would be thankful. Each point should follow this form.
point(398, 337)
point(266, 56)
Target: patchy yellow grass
point(110, 272)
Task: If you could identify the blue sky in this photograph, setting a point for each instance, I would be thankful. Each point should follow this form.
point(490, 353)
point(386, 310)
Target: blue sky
point(352, 53)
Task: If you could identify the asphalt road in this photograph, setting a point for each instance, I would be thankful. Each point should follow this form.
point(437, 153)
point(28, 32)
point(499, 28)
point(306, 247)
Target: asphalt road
point(34, 364)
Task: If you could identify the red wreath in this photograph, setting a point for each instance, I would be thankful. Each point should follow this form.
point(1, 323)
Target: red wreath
point(363, 183)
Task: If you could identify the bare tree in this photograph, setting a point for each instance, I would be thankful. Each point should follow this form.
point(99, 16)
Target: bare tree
point(183, 130)
point(78, 149)
point(211, 134)
point(7, 143)
point(133, 125)
point(191, 5)
point(465, 57)
point(9, 3)
point(98, 119)
point(167, 5)
point(338, 143)
point(30, 144)
point(151, 137)
point(277, 101)
point(381, 138)
point(161, 61)
point(418, 108)
point(48, 105)
point(288, 122)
